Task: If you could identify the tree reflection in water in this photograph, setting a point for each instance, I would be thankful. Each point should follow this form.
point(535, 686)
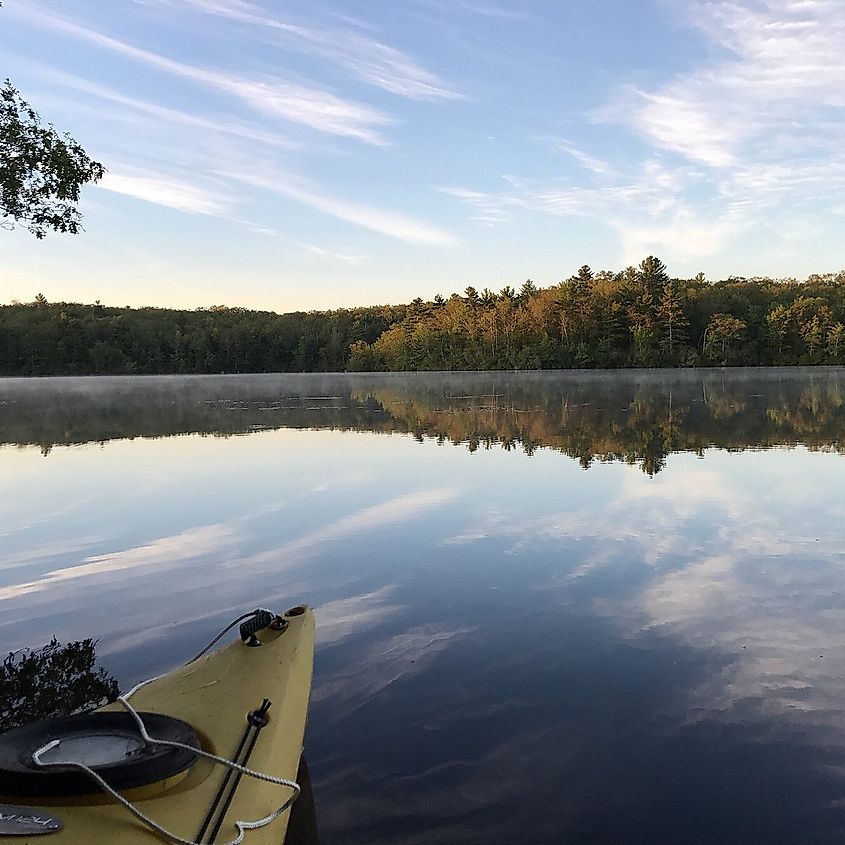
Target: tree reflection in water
point(54, 680)
point(60, 679)
point(634, 416)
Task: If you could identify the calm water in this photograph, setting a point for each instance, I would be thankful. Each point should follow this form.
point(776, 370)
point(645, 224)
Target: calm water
point(574, 608)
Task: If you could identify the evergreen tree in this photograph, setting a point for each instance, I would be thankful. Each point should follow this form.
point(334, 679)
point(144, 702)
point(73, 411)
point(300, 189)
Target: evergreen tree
point(582, 281)
point(672, 320)
point(653, 275)
point(527, 290)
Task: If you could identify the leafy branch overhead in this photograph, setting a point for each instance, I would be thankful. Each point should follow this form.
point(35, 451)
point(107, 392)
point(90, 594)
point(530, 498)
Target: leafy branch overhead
point(41, 171)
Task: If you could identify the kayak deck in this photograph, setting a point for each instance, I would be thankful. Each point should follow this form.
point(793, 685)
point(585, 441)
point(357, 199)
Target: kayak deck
point(215, 695)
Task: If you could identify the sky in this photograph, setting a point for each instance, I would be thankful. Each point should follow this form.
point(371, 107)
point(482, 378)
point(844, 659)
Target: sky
point(330, 153)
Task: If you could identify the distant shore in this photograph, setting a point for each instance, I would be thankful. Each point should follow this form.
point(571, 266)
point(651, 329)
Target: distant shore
point(637, 318)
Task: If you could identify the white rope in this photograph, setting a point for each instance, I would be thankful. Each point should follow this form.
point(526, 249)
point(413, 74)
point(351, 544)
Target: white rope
point(241, 825)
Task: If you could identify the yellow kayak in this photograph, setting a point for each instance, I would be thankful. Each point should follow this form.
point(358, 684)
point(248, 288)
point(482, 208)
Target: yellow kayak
point(246, 703)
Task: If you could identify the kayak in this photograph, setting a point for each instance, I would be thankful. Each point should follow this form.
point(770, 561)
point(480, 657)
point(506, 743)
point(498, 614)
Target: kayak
point(207, 753)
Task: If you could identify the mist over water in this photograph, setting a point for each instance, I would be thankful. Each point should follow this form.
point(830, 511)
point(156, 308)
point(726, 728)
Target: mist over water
point(551, 607)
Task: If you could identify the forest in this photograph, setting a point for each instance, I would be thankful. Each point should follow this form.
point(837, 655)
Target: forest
point(639, 317)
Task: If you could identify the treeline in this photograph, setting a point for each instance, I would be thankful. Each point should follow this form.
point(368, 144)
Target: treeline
point(61, 338)
point(639, 317)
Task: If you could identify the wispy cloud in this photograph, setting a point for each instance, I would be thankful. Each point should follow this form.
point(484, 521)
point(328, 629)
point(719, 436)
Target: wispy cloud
point(698, 234)
point(354, 260)
point(391, 512)
point(227, 125)
point(270, 95)
point(770, 610)
point(189, 544)
point(384, 663)
point(782, 66)
point(648, 210)
point(339, 619)
point(162, 189)
point(596, 165)
point(756, 130)
point(560, 197)
point(726, 573)
point(366, 58)
point(475, 7)
point(491, 10)
point(28, 558)
point(488, 209)
point(673, 121)
point(392, 224)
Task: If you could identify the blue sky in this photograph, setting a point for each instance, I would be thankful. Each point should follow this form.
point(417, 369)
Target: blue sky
point(319, 154)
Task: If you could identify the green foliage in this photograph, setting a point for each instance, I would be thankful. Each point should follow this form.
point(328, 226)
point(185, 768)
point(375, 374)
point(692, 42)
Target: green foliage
point(673, 323)
point(639, 317)
point(527, 290)
point(64, 338)
point(41, 171)
point(836, 343)
point(653, 275)
point(721, 334)
point(54, 680)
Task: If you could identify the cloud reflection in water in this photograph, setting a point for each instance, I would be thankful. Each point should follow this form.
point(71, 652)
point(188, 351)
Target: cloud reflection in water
point(511, 648)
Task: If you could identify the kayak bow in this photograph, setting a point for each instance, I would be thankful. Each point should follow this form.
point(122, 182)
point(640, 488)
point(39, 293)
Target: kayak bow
point(246, 703)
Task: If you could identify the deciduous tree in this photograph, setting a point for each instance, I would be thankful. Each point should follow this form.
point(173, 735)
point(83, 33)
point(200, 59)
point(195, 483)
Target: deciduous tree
point(41, 171)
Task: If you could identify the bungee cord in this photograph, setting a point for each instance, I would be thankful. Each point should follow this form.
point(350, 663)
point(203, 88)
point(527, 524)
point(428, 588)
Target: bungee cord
point(241, 825)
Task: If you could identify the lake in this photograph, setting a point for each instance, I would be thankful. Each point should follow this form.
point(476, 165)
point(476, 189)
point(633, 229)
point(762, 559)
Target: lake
point(551, 607)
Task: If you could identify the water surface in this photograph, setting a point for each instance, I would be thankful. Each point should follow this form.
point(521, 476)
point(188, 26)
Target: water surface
point(581, 607)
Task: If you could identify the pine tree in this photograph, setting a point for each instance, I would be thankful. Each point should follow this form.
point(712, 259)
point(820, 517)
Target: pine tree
point(527, 290)
point(653, 275)
point(582, 282)
point(672, 320)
